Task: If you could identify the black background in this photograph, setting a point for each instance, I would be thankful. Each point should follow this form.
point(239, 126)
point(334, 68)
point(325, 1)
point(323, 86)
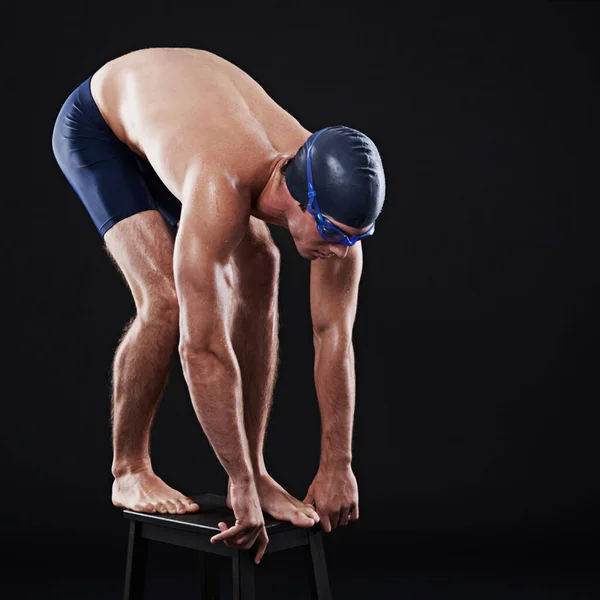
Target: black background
point(476, 430)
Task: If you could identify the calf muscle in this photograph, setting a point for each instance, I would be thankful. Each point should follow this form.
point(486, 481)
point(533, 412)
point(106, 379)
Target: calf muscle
point(139, 376)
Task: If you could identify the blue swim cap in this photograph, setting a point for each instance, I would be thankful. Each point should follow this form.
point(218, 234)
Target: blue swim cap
point(347, 175)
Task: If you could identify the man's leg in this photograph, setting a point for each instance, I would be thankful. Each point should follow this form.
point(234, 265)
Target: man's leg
point(255, 340)
point(142, 248)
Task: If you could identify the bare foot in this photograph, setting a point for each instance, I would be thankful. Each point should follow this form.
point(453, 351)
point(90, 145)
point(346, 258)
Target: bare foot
point(281, 505)
point(146, 492)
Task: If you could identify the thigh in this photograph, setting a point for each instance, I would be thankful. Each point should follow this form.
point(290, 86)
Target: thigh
point(164, 201)
point(142, 247)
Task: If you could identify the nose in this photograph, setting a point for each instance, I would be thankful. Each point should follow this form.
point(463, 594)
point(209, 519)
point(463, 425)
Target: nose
point(339, 250)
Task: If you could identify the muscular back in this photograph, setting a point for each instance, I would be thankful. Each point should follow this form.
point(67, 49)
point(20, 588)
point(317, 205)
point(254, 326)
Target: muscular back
point(184, 109)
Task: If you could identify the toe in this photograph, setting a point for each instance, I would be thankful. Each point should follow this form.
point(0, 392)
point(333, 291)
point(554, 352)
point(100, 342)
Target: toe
point(191, 506)
point(161, 508)
point(302, 520)
point(180, 506)
point(171, 507)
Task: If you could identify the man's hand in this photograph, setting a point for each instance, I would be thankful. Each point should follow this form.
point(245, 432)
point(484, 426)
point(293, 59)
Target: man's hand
point(249, 521)
point(334, 494)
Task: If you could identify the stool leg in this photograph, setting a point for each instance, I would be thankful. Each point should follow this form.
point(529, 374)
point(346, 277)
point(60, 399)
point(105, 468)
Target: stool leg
point(243, 575)
point(319, 581)
point(137, 554)
point(210, 573)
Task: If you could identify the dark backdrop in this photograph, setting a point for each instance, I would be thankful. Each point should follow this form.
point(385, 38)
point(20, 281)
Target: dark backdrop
point(476, 339)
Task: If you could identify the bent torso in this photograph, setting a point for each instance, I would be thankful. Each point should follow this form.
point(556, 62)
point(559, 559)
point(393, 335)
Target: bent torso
point(183, 109)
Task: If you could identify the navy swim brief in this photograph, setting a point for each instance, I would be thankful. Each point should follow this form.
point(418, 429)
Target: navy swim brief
point(111, 180)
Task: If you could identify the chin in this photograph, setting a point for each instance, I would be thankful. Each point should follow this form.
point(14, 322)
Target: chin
point(306, 254)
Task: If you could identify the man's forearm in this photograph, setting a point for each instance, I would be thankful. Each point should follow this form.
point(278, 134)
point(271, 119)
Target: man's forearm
point(216, 391)
point(335, 383)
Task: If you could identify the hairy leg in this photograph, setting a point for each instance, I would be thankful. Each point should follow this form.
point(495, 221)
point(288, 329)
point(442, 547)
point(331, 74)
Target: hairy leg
point(255, 341)
point(140, 371)
point(142, 248)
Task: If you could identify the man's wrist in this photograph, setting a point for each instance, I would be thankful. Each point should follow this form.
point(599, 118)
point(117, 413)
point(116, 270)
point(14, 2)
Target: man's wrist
point(335, 463)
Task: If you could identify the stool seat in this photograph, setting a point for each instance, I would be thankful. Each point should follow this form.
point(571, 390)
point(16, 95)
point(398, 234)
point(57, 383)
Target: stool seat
point(194, 530)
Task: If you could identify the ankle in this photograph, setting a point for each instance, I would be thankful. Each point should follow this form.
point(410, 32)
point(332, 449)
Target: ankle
point(263, 479)
point(122, 468)
point(258, 462)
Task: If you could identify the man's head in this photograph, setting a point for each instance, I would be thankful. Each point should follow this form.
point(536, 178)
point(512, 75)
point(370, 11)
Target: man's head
point(337, 178)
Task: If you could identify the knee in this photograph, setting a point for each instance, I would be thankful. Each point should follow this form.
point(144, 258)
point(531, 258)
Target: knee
point(262, 269)
point(160, 307)
point(269, 258)
point(256, 271)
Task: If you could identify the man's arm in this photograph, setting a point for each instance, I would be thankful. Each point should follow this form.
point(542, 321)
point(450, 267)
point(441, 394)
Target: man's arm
point(214, 220)
point(333, 299)
point(203, 248)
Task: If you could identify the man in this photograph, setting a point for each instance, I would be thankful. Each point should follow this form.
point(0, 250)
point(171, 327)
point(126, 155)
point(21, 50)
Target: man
point(181, 160)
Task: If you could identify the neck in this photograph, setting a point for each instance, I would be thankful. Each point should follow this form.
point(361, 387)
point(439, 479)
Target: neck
point(270, 206)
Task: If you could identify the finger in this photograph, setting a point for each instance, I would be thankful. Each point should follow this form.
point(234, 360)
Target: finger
point(226, 532)
point(250, 542)
point(263, 541)
point(309, 498)
point(229, 544)
point(312, 513)
point(256, 534)
point(246, 540)
point(238, 535)
point(343, 520)
point(325, 523)
point(334, 517)
point(354, 512)
point(223, 527)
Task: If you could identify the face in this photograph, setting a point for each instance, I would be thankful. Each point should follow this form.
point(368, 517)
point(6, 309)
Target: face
point(309, 242)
